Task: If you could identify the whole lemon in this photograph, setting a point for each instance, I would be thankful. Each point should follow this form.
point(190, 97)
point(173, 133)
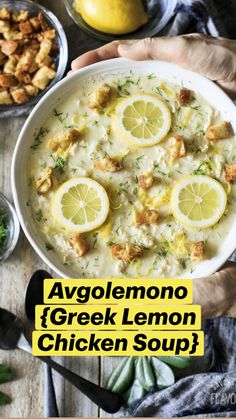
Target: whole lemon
point(116, 17)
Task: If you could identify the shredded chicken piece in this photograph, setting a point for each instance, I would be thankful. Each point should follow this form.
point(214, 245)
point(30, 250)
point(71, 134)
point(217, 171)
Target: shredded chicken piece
point(146, 181)
point(197, 251)
point(64, 140)
point(185, 97)
point(19, 94)
point(78, 244)
point(9, 47)
point(43, 77)
point(7, 81)
point(147, 216)
point(5, 97)
point(44, 183)
point(219, 132)
point(108, 165)
point(102, 96)
point(126, 252)
point(230, 172)
point(177, 148)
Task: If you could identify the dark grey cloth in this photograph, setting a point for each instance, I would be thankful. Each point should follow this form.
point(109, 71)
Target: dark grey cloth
point(205, 393)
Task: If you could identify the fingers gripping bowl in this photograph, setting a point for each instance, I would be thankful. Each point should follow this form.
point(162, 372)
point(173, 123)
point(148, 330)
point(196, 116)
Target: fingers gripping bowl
point(160, 159)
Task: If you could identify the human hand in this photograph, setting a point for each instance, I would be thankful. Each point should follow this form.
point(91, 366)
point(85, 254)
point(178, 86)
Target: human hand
point(217, 293)
point(214, 58)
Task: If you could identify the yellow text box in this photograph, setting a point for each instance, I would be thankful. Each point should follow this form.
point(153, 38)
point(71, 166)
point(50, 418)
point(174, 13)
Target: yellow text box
point(116, 343)
point(117, 291)
point(113, 317)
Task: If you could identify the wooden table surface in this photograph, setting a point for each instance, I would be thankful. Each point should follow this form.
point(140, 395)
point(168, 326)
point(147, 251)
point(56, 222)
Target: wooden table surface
point(26, 388)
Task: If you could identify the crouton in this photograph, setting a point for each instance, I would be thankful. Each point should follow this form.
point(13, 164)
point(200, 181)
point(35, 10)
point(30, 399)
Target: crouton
point(230, 172)
point(147, 216)
point(78, 244)
point(219, 132)
point(7, 81)
point(23, 76)
point(146, 181)
point(35, 23)
point(19, 95)
point(126, 252)
point(5, 14)
point(4, 26)
point(5, 97)
point(43, 22)
point(197, 251)
point(177, 148)
point(20, 16)
point(44, 183)
point(9, 47)
point(43, 77)
point(31, 90)
point(185, 97)
point(102, 96)
point(50, 34)
point(10, 65)
point(26, 27)
point(44, 51)
point(108, 165)
point(26, 60)
point(64, 140)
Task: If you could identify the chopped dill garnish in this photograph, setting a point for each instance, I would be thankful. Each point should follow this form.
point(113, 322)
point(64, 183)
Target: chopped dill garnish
point(95, 239)
point(39, 137)
point(49, 246)
point(59, 115)
point(60, 163)
point(162, 252)
point(204, 169)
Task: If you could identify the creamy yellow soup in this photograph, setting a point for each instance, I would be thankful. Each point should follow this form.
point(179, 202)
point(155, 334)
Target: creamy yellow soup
point(167, 244)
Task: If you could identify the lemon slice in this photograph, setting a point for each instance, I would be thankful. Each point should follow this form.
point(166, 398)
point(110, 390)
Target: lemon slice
point(143, 119)
point(198, 201)
point(81, 204)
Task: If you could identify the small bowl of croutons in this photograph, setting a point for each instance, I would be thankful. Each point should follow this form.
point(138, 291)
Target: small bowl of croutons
point(33, 53)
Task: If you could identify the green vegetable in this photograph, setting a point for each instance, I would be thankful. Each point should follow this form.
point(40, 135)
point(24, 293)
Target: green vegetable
point(122, 376)
point(145, 373)
point(5, 373)
point(204, 169)
point(4, 399)
point(164, 375)
point(3, 229)
point(60, 163)
point(176, 361)
point(135, 393)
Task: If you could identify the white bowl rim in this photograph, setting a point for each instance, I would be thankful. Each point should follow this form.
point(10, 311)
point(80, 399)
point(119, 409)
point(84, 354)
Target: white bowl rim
point(104, 65)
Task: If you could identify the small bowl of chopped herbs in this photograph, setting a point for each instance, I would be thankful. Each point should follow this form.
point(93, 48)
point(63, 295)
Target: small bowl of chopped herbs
point(9, 228)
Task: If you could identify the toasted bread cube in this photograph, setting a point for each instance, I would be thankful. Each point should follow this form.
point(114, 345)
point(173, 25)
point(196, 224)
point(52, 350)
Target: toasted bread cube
point(44, 51)
point(35, 23)
point(10, 65)
point(26, 60)
point(64, 140)
point(9, 47)
point(78, 244)
point(5, 14)
point(18, 17)
point(197, 251)
point(219, 132)
point(102, 96)
point(44, 183)
point(23, 76)
point(185, 97)
point(50, 34)
point(5, 97)
point(19, 95)
point(108, 165)
point(147, 216)
point(126, 252)
point(4, 26)
point(43, 77)
point(43, 22)
point(146, 181)
point(26, 27)
point(230, 172)
point(31, 90)
point(7, 81)
point(177, 148)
